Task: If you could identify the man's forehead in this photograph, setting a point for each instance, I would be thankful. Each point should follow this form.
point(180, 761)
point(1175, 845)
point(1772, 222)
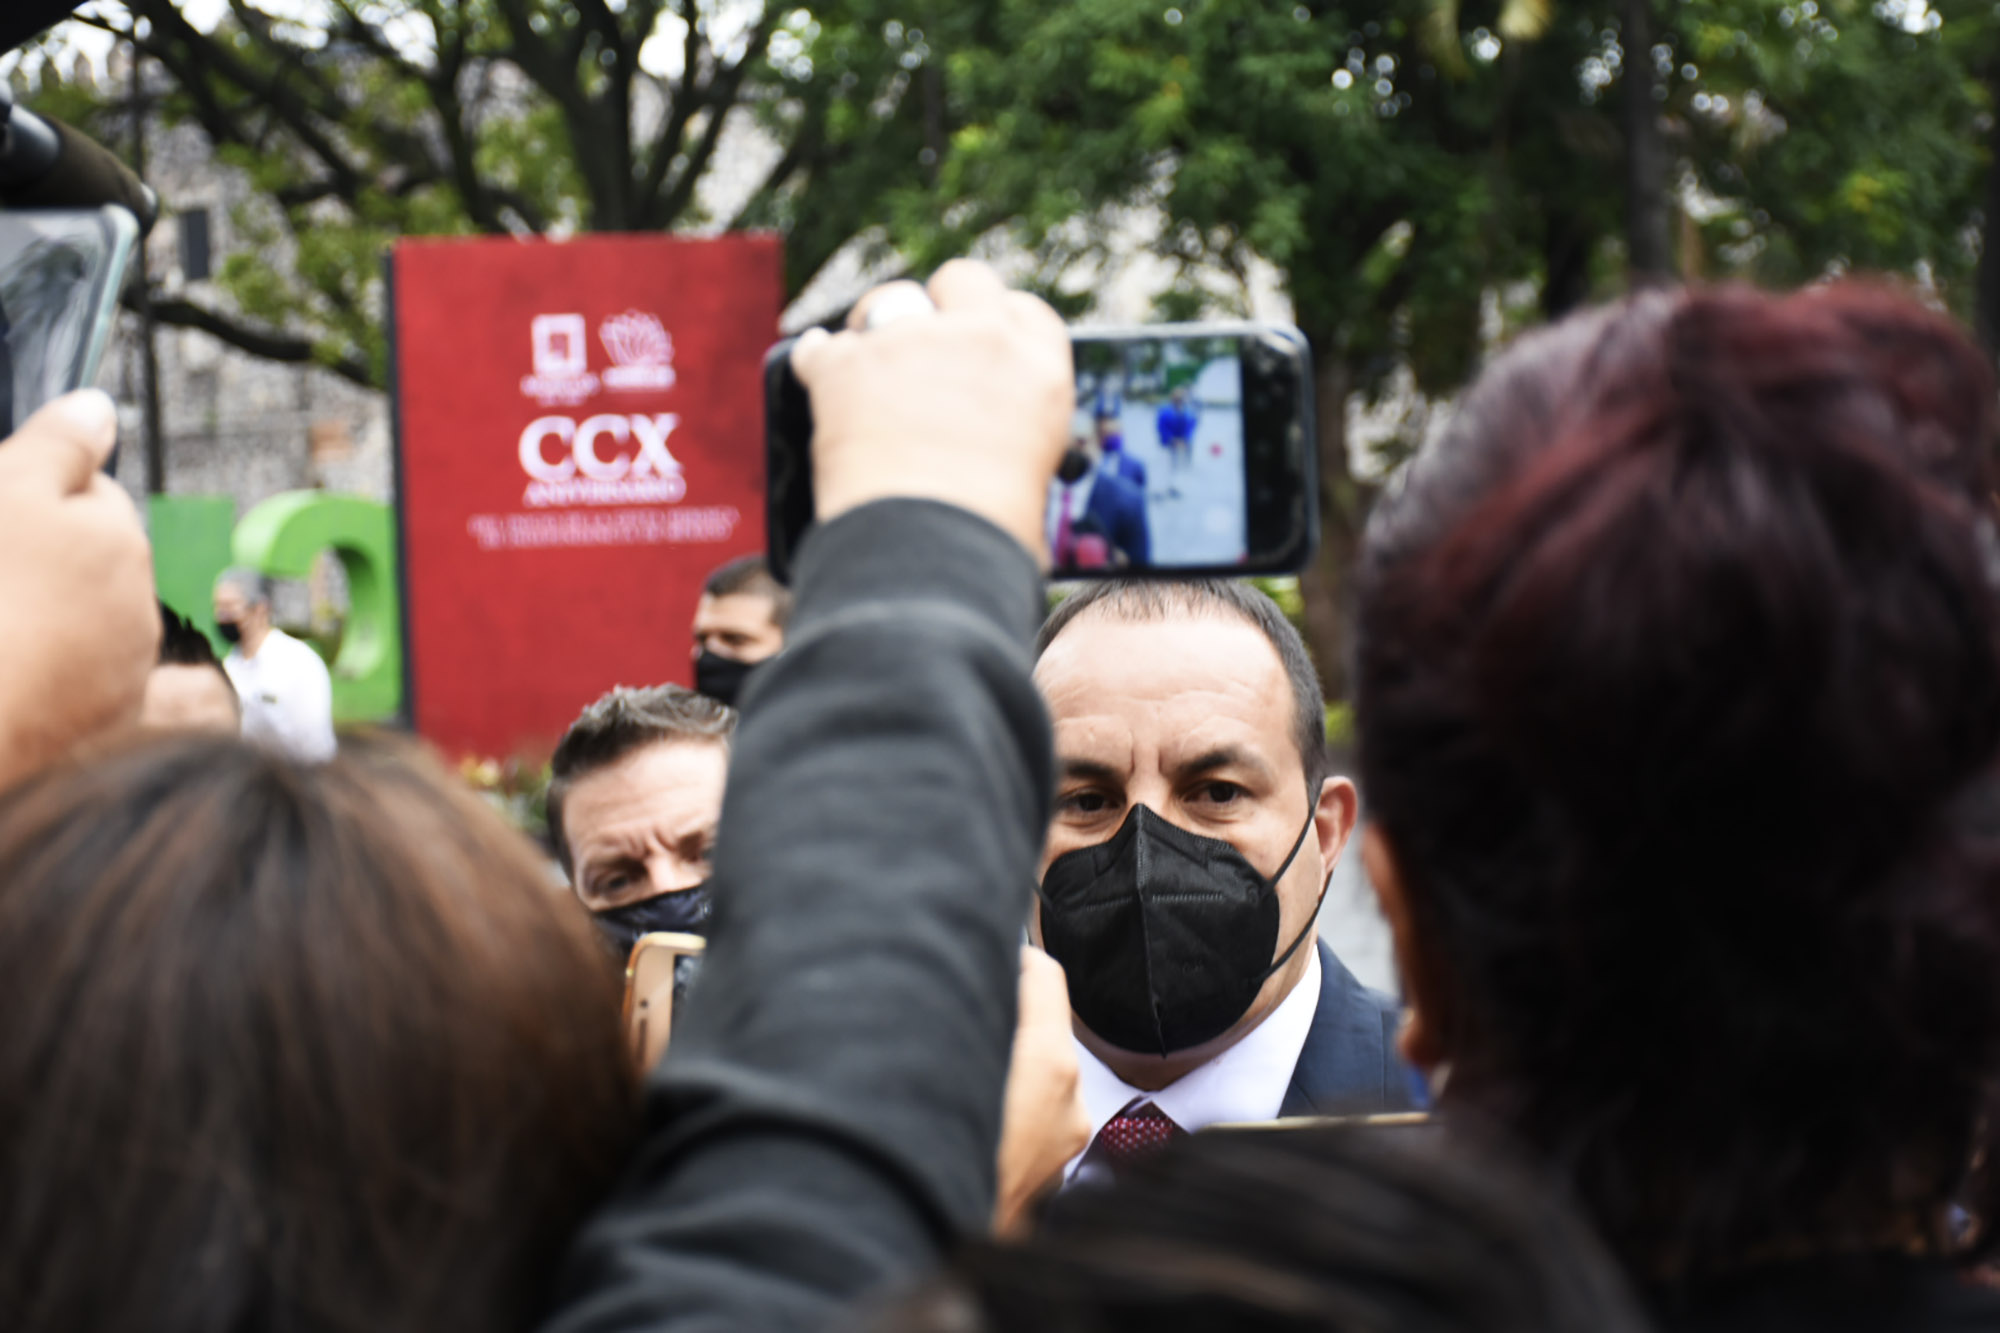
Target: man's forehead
point(673, 779)
point(1169, 682)
point(737, 607)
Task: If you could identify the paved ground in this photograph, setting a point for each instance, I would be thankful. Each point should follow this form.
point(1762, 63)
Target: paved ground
point(1196, 512)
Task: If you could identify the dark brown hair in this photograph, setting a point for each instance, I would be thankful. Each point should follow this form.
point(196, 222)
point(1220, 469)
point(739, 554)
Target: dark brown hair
point(290, 1047)
point(1292, 1231)
point(1678, 700)
point(750, 575)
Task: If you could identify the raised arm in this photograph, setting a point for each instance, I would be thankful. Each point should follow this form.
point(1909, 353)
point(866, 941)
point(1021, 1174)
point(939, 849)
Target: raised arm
point(826, 1119)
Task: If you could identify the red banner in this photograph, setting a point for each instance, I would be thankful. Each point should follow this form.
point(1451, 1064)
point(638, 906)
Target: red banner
point(580, 441)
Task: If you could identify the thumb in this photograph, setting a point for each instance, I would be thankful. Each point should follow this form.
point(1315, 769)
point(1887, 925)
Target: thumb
point(59, 449)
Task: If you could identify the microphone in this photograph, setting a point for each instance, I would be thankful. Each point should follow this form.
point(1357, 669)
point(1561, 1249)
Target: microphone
point(46, 164)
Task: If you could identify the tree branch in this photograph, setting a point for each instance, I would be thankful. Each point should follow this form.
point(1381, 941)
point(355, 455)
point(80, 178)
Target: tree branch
point(181, 313)
point(720, 96)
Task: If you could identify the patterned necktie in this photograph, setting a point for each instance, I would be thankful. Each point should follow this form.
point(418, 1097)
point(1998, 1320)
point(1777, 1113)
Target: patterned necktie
point(1136, 1132)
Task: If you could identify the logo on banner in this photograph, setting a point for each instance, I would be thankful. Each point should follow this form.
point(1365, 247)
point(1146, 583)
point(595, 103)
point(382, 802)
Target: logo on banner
point(641, 349)
point(562, 375)
point(602, 460)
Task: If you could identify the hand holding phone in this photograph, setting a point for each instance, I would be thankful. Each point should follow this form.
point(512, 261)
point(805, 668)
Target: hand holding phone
point(1189, 450)
point(964, 403)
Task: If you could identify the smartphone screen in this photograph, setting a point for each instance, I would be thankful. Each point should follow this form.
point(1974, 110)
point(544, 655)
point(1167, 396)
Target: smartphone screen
point(1154, 476)
point(60, 271)
point(1191, 450)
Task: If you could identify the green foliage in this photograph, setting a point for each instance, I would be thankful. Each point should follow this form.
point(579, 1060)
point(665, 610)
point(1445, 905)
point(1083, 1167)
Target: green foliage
point(359, 121)
point(1412, 167)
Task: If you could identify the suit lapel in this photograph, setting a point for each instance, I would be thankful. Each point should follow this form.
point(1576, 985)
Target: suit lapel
point(1348, 1066)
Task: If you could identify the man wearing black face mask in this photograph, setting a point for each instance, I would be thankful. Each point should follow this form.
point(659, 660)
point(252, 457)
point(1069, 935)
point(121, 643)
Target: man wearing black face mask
point(634, 797)
point(739, 622)
point(1195, 829)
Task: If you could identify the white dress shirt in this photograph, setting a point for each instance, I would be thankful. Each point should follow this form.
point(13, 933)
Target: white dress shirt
point(287, 697)
point(1244, 1084)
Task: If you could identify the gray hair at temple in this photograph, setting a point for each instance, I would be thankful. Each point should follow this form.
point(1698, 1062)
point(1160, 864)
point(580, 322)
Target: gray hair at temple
point(255, 586)
point(621, 722)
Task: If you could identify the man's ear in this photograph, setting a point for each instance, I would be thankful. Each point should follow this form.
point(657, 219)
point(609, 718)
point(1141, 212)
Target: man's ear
point(1333, 820)
point(1421, 1041)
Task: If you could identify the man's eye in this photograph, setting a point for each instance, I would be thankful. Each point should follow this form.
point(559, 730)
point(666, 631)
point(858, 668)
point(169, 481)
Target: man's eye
point(1085, 803)
point(1220, 793)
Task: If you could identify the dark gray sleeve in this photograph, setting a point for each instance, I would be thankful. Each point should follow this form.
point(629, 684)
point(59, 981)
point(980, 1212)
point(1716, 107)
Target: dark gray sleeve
point(827, 1116)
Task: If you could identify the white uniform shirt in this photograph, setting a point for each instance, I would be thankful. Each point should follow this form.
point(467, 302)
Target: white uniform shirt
point(1245, 1084)
point(287, 697)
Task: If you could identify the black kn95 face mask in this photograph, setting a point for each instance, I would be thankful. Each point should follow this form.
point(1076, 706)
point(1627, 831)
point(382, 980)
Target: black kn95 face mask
point(1166, 935)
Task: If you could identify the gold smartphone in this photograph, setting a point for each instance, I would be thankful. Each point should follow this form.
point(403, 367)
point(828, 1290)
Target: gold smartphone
point(656, 977)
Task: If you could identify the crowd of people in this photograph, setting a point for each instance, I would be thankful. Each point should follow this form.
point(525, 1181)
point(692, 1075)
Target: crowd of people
point(1677, 692)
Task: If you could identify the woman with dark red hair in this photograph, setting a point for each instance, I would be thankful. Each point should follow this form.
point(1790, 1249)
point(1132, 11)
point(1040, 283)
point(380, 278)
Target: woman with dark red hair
point(1678, 699)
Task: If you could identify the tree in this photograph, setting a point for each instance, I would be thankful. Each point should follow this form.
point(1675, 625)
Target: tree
point(372, 119)
point(1410, 168)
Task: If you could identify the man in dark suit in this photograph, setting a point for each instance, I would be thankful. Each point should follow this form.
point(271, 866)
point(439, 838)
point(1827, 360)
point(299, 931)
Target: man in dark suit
point(1196, 825)
point(1097, 517)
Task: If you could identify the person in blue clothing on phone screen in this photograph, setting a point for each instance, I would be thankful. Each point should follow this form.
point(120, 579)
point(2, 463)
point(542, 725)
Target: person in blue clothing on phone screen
point(1176, 424)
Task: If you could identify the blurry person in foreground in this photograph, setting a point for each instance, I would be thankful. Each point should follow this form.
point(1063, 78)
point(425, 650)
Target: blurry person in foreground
point(1317, 1230)
point(306, 1047)
point(283, 686)
point(1678, 701)
point(634, 796)
point(1197, 822)
point(189, 690)
point(738, 623)
point(826, 1122)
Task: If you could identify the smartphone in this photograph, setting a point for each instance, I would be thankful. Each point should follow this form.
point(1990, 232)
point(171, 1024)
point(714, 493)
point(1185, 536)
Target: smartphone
point(657, 975)
point(1191, 453)
point(60, 274)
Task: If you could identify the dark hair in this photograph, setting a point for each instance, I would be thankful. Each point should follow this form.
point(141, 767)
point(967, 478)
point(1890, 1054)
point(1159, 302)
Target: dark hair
point(623, 721)
point(183, 644)
point(1678, 699)
point(291, 1046)
point(1322, 1230)
point(751, 575)
point(1165, 599)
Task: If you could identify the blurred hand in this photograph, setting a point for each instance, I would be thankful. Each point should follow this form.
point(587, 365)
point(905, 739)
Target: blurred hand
point(969, 403)
point(76, 587)
point(1044, 1123)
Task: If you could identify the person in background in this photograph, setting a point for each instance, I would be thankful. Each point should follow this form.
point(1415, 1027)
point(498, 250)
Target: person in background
point(1175, 424)
point(634, 798)
point(738, 623)
point(283, 686)
point(291, 1047)
point(1118, 460)
point(1095, 517)
point(1196, 827)
point(189, 690)
point(635, 792)
point(1678, 701)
